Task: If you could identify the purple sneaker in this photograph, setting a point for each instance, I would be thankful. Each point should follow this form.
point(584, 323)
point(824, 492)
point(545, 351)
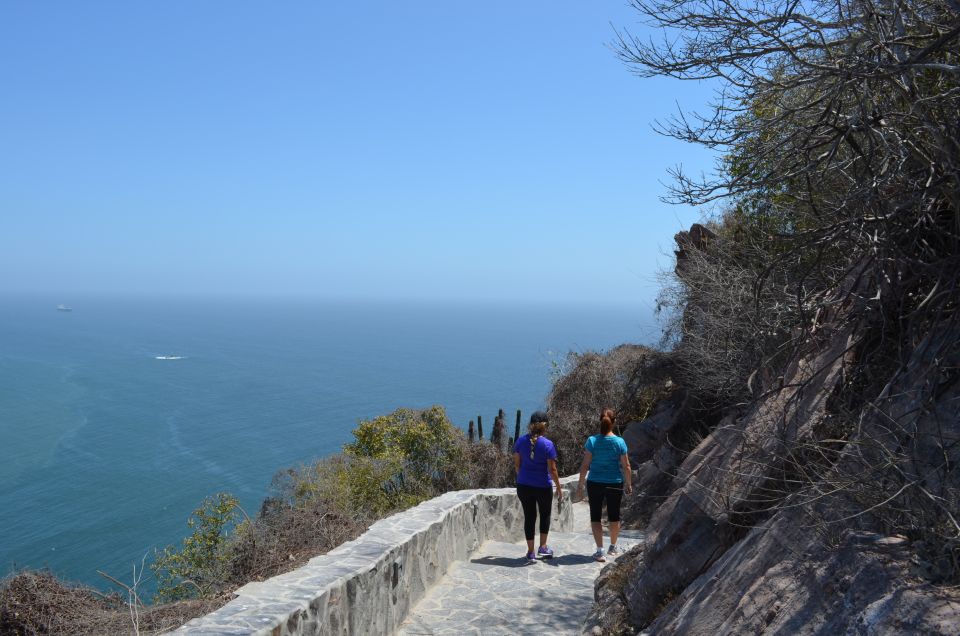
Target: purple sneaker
point(531, 557)
point(544, 552)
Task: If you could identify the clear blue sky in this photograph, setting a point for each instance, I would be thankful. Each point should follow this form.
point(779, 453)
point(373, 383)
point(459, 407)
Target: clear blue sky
point(449, 150)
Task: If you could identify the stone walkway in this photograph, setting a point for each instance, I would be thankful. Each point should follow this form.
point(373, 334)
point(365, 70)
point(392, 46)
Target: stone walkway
point(497, 592)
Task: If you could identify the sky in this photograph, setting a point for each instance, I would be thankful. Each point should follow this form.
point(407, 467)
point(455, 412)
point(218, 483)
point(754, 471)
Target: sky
point(379, 150)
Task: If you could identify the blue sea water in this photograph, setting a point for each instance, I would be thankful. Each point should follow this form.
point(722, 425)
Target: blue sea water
point(106, 449)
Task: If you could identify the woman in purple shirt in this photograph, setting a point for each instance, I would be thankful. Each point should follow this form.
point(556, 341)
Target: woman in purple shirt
point(535, 460)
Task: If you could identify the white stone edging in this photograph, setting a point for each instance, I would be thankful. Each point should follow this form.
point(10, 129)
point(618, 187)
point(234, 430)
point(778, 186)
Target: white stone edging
point(368, 585)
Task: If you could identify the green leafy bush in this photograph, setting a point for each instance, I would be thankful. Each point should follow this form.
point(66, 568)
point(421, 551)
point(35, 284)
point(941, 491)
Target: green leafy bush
point(412, 453)
point(198, 568)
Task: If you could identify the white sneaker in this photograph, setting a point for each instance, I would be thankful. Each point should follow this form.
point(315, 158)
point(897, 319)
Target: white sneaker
point(598, 555)
point(613, 550)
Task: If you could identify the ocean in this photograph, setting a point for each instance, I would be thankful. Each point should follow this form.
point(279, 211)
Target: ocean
point(106, 447)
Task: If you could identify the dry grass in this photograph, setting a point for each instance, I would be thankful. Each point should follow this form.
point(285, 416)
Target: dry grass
point(285, 537)
point(40, 603)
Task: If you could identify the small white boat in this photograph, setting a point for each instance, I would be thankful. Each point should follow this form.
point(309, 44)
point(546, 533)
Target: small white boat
point(169, 357)
point(64, 308)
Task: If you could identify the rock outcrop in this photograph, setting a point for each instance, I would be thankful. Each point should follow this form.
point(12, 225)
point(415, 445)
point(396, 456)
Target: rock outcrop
point(656, 451)
point(752, 532)
point(779, 580)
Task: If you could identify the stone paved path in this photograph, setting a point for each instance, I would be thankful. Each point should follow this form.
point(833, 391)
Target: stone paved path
point(496, 592)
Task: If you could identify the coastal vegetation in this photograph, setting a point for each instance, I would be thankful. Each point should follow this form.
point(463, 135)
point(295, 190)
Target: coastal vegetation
point(395, 461)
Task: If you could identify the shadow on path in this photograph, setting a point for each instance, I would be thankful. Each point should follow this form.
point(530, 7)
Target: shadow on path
point(504, 562)
point(520, 562)
point(569, 559)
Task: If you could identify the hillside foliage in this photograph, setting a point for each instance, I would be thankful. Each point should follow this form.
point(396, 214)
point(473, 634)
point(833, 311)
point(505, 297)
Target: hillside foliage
point(394, 461)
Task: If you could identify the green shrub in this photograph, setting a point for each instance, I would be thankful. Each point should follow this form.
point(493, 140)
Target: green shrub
point(198, 568)
point(395, 461)
point(370, 487)
point(412, 453)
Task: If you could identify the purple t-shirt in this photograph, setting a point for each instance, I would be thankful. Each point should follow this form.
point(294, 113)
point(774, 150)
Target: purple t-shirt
point(533, 472)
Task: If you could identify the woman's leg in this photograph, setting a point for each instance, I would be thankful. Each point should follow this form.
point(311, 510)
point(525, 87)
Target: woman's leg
point(545, 505)
point(614, 496)
point(595, 497)
point(528, 501)
point(597, 529)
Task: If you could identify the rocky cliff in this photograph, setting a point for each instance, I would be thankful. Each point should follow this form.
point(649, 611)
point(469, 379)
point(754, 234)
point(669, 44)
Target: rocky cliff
point(801, 510)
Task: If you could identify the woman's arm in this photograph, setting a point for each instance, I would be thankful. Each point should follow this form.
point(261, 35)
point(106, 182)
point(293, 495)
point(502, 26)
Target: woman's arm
point(584, 467)
point(552, 467)
point(625, 469)
point(516, 463)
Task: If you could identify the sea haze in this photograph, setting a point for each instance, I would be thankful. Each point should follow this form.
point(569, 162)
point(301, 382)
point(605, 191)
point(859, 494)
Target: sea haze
point(105, 449)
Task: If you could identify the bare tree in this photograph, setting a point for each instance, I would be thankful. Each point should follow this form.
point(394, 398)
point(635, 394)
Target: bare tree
point(838, 132)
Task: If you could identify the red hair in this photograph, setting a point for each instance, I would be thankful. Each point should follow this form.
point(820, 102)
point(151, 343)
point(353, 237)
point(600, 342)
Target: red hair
point(606, 421)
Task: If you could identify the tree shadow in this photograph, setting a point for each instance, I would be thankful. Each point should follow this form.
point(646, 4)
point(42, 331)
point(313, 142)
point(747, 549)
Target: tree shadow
point(504, 562)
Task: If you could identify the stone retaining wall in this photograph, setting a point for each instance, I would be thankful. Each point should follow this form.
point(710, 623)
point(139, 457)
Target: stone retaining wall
point(367, 586)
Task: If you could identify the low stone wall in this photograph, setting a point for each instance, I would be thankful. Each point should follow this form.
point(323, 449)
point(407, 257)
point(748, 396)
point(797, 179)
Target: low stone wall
point(367, 586)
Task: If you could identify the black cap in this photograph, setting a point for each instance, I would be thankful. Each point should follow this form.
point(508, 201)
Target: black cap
point(539, 416)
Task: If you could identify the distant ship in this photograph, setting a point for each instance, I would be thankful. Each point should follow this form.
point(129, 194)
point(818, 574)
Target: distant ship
point(64, 308)
point(169, 357)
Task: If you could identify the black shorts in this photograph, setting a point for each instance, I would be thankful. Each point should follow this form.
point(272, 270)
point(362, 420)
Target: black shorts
point(597, 494)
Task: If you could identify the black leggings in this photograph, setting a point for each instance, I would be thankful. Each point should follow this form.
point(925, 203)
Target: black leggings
point(532, 498)
point(598, 492)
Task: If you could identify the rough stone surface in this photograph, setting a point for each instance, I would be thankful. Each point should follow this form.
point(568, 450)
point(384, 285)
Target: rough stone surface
point(368, 585)
point(646, 438)
point(655, 458)
point(776, 581)
point(720, 477)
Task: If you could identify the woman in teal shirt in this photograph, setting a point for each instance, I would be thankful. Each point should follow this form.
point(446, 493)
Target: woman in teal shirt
point(605, 459)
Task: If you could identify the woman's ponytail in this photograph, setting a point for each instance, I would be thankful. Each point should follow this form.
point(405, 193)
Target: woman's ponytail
point(606, 421)
point(538, 426)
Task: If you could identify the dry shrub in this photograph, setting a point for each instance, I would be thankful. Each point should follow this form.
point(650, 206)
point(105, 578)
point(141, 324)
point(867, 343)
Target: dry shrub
point(720, 324)
point(897, 468)
point(630, 379)
point(40, 603)
point(285, 536)
point(489, 466)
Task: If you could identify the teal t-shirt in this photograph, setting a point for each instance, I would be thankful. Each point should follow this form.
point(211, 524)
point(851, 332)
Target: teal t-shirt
point(605, 463)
